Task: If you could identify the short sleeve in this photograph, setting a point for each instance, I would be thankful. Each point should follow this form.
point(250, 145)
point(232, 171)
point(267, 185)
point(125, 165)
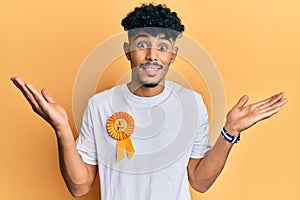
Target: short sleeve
point(86, 144)
point(201, 143)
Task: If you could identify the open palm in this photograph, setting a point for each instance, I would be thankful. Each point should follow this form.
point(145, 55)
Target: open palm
point(242, 116)
point(43, 104)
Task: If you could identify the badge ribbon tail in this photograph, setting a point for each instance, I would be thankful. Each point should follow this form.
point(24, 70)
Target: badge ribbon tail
point(124, 145)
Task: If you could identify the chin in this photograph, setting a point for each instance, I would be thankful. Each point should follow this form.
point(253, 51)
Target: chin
point(150, 85)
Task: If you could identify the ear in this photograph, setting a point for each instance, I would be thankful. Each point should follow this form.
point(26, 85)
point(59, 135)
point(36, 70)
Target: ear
point(126, 49)
point(174, 54)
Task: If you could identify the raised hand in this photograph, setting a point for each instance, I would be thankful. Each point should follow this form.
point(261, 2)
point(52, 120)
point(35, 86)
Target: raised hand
point(242, 117)
point(43, 104)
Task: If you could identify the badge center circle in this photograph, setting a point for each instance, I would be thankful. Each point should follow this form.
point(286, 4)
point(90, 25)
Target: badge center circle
point(120, 125)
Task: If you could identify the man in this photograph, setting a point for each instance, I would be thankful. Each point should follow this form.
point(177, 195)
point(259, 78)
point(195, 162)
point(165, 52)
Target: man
point(152, 32)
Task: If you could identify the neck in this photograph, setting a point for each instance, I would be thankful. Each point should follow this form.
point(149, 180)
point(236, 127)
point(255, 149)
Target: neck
point(142, 91)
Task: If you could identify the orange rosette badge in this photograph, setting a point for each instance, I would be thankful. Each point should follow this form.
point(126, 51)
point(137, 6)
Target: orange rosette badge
point(120, 126)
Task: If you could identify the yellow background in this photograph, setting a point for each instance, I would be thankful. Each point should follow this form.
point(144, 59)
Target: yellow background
point(255, 45)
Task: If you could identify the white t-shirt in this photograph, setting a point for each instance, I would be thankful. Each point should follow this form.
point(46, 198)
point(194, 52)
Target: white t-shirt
point(170, 128)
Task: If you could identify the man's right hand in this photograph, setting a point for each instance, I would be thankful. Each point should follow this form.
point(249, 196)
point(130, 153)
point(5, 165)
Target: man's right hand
point(79, 176)
point(43, 104)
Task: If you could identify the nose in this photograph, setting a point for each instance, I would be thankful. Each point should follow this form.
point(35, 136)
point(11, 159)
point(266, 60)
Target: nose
point(151, 54)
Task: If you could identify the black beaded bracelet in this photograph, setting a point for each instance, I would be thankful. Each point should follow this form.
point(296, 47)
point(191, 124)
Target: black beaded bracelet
point(230, 138)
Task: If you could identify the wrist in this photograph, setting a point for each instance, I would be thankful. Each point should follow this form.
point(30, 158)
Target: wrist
point(65, 138)
point(230, 129)
point(63, 130)
point(230, 138)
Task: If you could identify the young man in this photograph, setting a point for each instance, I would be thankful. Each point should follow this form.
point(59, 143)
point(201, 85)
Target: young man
point(143, 118)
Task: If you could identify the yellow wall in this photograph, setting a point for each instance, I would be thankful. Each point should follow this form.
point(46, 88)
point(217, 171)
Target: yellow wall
point(255, 45)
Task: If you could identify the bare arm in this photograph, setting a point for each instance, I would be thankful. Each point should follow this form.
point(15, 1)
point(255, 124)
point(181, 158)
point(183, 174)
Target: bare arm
point(79, 176)
point(203, 172)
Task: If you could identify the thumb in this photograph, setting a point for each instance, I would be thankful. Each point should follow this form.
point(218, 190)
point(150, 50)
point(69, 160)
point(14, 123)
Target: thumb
point(243, 100)
point(47, 96)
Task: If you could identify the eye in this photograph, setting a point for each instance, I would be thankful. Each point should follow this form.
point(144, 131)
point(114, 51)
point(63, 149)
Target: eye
point(142, 45)
point(163, 47)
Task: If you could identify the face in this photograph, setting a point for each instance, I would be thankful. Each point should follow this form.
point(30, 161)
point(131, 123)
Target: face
point(150, 58)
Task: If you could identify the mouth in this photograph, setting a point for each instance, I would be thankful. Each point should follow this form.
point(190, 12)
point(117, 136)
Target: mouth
point(151, 69)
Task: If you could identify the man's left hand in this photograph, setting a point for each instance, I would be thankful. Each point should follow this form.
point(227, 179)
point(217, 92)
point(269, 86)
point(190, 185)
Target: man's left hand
point(242, 117)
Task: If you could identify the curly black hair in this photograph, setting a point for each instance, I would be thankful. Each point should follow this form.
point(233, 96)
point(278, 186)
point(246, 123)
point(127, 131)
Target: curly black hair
point(159, 17)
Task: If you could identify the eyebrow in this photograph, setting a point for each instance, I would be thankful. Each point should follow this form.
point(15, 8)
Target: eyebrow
point(165, 38)
point(143, 35)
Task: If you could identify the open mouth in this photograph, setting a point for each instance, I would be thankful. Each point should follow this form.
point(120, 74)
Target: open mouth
point(151, 68)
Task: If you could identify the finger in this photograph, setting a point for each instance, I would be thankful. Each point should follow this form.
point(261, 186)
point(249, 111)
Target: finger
point(269, 113)
point(243, 100)
point(18, 82)
point(279, 103)
point(38, 99)
point(47, 96)
point(272, 100)
point(20, 85)
point(26, 93)
point(261, 103)
point(275, 99)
